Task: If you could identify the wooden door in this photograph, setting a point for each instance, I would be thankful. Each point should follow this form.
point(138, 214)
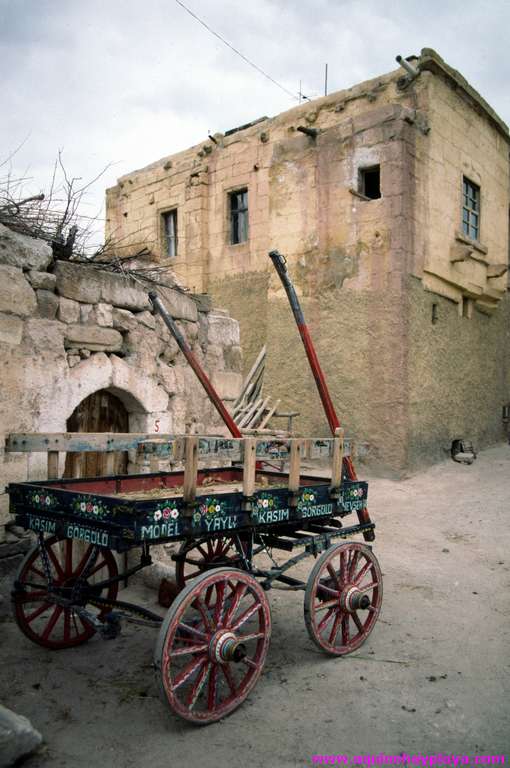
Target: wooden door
point(100, 412)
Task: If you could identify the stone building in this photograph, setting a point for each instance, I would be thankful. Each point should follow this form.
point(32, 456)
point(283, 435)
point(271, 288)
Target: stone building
point(390, 201)
point(81, 351)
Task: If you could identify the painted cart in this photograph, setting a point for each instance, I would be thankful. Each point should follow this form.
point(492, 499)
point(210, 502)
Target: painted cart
point(230, 520)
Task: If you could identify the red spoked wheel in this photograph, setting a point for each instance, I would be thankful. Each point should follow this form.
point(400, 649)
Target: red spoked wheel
point(213, 644)
point(343, 598)
point(201, 555)
point(38, 616)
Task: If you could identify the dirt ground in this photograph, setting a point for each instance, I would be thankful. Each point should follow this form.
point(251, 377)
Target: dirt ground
point(434, 676)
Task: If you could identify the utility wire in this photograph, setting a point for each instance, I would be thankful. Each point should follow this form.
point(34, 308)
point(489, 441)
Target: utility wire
point(251, 63)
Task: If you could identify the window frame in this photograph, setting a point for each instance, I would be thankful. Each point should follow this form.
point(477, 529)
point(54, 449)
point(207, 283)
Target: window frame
point(471, 209)
point(166, 216)
point(242, 211)
point(362, 178)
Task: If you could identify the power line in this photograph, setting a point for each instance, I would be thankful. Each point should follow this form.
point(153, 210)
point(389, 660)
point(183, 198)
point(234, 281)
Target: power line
point(251, 63)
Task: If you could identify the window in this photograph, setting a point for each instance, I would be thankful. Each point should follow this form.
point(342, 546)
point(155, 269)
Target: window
point(470, 209)
point(370, 182)
point(238, 216)
point(170, 233)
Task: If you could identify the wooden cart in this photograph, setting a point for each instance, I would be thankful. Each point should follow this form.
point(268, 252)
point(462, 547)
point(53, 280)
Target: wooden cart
point(214, 639)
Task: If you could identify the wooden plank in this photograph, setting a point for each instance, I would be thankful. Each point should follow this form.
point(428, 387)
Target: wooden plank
point(190, 469)
point(52, 465)
point(249, 464)
point(33, 442)
point(253, 370)
point(336, 463)
point(109, 463)
point(269, 414)
point(295, 464)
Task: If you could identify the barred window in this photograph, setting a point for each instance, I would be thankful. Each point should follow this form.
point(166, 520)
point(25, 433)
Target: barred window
point(470, 209)
point(238, 216)
point(170, 231)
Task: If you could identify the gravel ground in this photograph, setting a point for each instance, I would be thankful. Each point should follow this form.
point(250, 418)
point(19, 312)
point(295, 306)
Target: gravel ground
point(432, 677)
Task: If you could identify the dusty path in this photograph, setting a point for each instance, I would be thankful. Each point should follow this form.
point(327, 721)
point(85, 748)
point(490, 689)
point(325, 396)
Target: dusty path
point(434, 675)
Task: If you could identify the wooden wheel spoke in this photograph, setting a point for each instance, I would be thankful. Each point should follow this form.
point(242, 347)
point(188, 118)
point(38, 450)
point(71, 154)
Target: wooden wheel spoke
point(361, 575)
point(335, 628)
point(323, 605)
point(246, 615)
point(188, 672)
point(328, 590)
point(370, 586)
point(201, 648)
point(204, 613)
point(97, 567)
point(56, 564)
point(213, 688)
point(199, 684)
point(42, 608)
point(37, 572)
point(192, 630)
point(357, 621)
point(353, 564)
point(251, 636)
point(67, 625)
point(220, 603)
point(84, 560)
point(327, 617)
point(238, 594)
point(51, 623)
point(69, 557)
point(334, 575)
point(229, 678)
point(345, 629)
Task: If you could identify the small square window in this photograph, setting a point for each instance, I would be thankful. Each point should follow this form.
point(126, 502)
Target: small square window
point(238, 201)
point(370, 182)
point(170, 233)
point(470, 209)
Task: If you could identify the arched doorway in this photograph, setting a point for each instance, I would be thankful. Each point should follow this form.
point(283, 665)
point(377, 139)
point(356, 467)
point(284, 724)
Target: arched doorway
point(100, 412)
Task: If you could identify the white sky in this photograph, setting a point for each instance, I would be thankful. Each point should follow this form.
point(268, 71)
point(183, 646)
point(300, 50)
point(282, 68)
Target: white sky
point(123, 82)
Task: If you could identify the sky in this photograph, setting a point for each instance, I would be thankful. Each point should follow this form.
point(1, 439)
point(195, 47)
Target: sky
point(118, 84)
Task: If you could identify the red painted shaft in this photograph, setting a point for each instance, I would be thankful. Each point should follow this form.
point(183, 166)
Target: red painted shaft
point(195, 365)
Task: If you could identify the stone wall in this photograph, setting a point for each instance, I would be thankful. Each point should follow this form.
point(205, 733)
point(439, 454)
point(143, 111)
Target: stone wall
point(68, 330)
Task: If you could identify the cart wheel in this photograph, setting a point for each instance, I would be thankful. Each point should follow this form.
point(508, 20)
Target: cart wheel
point(38, 617)
point(201, 555)
point(343, 598)
point(212, 644)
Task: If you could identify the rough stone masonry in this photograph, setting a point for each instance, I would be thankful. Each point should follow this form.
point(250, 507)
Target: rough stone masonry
point(69, 330)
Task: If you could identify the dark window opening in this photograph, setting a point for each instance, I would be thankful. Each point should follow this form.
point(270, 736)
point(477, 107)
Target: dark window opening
point(238, 216)
point(470, 209)
point(370, 182)
point(170, 231)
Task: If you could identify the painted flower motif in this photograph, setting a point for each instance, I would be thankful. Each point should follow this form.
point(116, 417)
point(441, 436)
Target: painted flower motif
point(174, 513)
point(157, 515)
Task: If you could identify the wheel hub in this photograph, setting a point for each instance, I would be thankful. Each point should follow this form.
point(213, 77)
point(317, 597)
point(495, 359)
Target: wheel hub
point(224, 647)
point(353, 599)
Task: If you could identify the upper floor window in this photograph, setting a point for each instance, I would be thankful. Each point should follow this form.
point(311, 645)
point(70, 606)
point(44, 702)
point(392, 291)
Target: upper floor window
point(170, 232)
point(238, 216)
point(470, 209)
point(370, 182)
